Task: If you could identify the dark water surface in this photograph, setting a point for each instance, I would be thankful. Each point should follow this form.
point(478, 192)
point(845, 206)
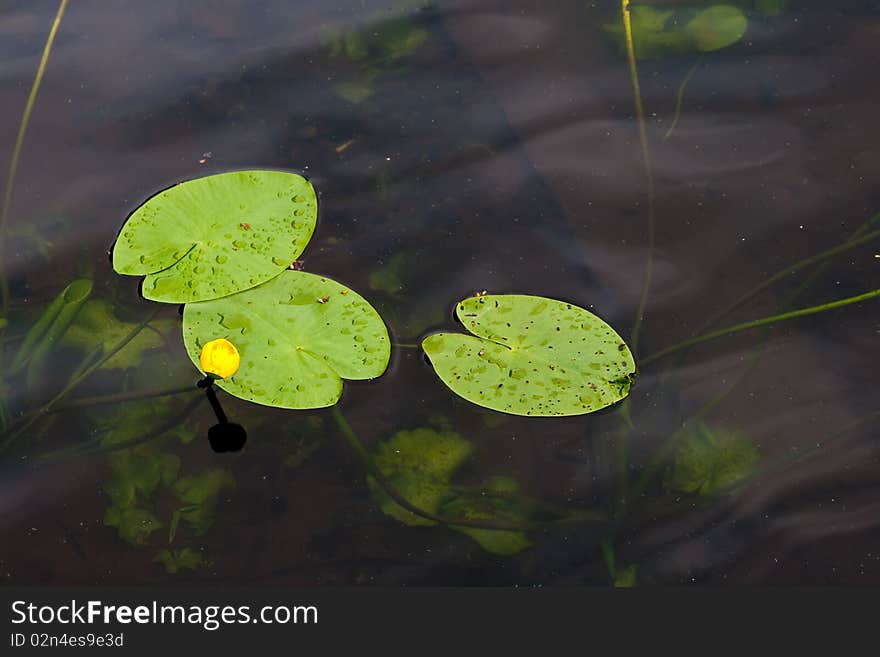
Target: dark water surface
point(465, 146)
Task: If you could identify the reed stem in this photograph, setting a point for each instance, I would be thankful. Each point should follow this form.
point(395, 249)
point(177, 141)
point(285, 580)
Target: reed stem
point(802, 312)
point(649, 174)
point(19, 141)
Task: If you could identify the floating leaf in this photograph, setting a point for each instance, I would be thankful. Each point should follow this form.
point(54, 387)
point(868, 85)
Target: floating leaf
point(708, 461)
point(214, 236)
point(717, 27)
point(298, 335)
point(532, 356)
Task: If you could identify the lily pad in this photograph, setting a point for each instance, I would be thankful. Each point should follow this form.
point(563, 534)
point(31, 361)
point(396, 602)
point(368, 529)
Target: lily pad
point(299, 336)
point(214, 236)
point(531, 355)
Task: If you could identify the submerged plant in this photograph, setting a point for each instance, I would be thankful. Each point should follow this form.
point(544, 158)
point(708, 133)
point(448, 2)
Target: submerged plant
point(421, 463)
point(711, 460)
point(694, 28)
point(659, 32)
point(374, 51)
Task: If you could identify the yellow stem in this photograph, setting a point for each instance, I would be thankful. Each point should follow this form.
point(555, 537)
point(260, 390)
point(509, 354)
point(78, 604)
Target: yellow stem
point(649, 174)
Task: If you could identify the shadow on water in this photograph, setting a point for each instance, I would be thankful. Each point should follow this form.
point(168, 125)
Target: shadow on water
point(447, 163)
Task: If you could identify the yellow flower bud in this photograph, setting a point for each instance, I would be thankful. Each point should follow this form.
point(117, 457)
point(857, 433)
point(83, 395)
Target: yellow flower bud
point(219, 358)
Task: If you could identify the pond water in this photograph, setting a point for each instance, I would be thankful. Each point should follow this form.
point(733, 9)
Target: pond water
point(456, 147)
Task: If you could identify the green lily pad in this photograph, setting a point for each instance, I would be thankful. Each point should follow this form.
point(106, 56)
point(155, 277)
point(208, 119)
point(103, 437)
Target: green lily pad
point(717, 27)
point(532, 356)
point(214, 236)
point(708, 461)
point(299, 336)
